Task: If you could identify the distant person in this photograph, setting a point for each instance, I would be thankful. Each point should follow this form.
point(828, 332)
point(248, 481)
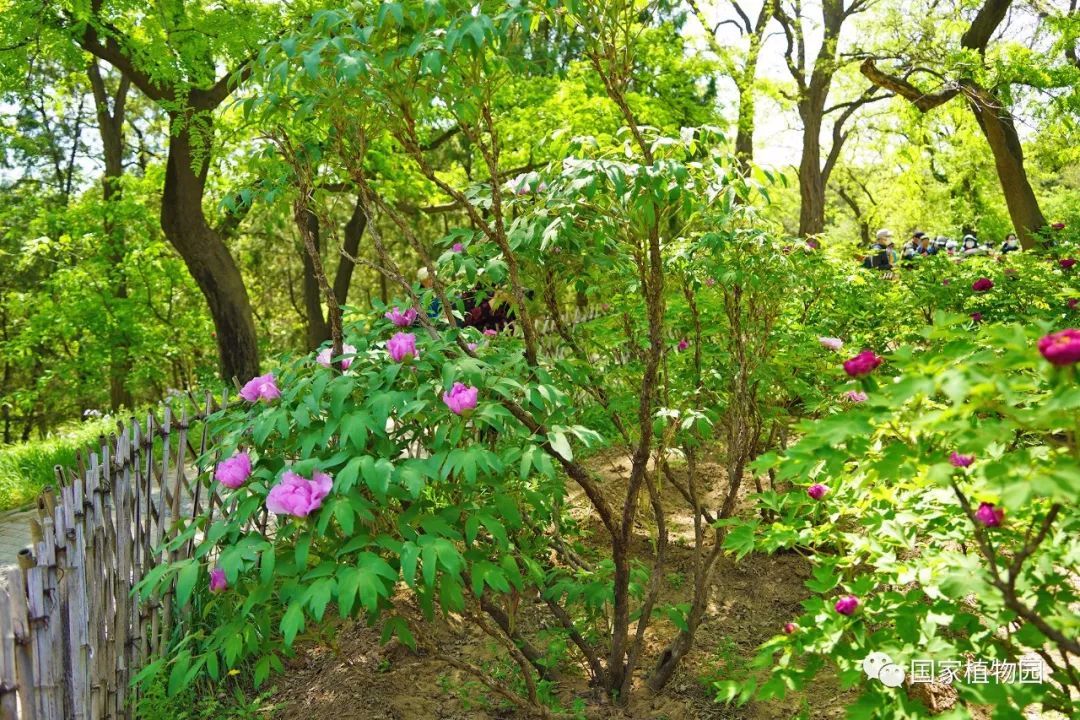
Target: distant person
point(890, 253)
point(926, 247)
point(879, 258)
point(1011, 244)
point(970, 246)
point(911, 247)
point(424, 277)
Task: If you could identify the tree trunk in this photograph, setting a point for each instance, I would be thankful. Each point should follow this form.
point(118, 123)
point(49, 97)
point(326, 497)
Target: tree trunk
point(204, 251)
point(744, 134)
point(318, 330)
point(997, 126)
point(350, 246)
point(111, 128)
point(811, 178)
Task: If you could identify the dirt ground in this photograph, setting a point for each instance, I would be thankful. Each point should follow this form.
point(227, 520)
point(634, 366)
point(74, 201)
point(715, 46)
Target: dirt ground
point(355, 678)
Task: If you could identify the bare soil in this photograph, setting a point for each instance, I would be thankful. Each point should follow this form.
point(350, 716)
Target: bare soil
point(354, 677)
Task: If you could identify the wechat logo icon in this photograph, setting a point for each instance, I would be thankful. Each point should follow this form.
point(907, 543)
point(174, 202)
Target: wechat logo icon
point(879, 666)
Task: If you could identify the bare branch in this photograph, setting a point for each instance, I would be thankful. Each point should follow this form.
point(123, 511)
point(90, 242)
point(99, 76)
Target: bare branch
point(924, 101)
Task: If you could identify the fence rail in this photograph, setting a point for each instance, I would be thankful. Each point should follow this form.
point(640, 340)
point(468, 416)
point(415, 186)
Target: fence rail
point(72, 635)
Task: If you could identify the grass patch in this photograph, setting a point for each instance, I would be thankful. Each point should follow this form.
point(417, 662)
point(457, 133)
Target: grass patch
point(25, 468)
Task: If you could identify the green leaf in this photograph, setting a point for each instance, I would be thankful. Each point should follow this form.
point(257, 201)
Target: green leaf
point(560, 445)
point(740, 539)
point(185, 582)
point(292, 622)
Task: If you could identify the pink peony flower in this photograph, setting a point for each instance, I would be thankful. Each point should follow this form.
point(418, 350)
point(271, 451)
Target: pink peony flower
point(217, 580)
point(959, 460)
point(982, 284)
point(683, 344)
point(989, 515)
point(461, 398)
point(458, 247)
point(298, 496)
point(472, 347)
point(399, 318)
point(1062, 347)
point(813, 244)
point(326, 354)
point(847, 605)
point(402, 347)
point(856, 396)
point(710, 281)
point(491, 333)
point(259, 388)
point(946, 281)
point(1066, 263)
point(817, 491)
point(862, 364)
point(790, 628)
point(232, 473)
point(976, 317)
point(831, 343)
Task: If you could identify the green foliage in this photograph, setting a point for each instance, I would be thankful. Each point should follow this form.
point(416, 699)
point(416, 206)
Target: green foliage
point(26, 468)
point(896, 528)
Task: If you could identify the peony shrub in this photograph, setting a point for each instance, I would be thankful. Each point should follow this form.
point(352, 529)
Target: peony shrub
point(950, 559)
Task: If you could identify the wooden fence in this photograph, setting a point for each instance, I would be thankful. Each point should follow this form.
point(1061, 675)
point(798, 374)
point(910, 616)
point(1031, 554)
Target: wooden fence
point(72, 635)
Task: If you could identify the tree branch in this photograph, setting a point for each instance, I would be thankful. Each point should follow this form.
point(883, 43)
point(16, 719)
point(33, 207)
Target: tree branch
point(985, 23)
point(924, 101)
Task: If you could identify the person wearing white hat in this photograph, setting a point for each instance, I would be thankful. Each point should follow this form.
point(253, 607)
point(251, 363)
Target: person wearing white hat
point(879, 257)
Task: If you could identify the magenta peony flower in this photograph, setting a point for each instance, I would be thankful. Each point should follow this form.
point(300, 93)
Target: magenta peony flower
point(982, 284)
point(232, 473)
point(813, 244)
point(710, 281)
point(683, 344)
point(461, 398)
point(847, 605)
point(989, 515)
point(399, 318)
point(491, 333)
point(946, 281)
point(790, 628)
point(402, 347)
point(217, 580)
point(862, 364)
point(1062, 347)
point(325, 355)
point(1066, 263)
point(856, 396)
point(259, 388)
point(817, 491)
point(458, 247)
point(298, 496)
point(976, 317)
point(1058, 226)
point(1073, 303)
point(831, 343)
point(959, 460)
